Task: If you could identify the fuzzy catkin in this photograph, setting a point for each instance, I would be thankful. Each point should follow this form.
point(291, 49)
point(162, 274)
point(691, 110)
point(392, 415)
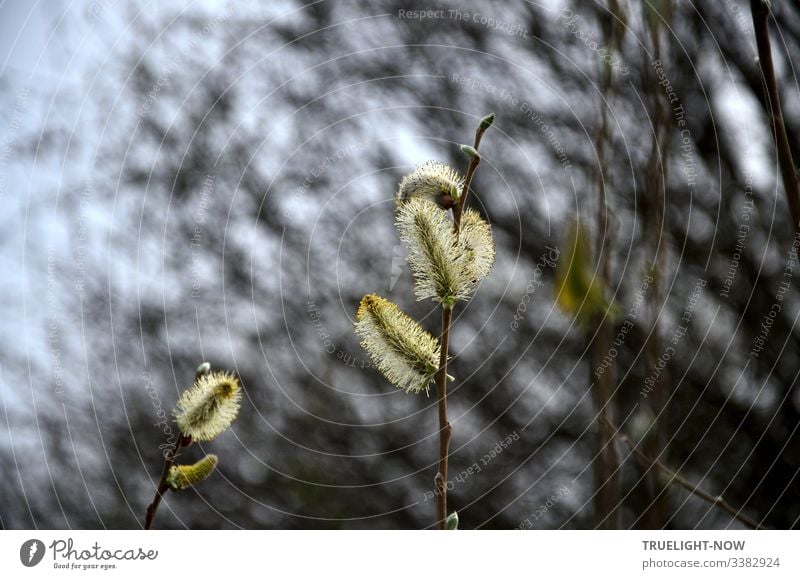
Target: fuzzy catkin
point(404, 352)
point(446, 265)
point(208, 408)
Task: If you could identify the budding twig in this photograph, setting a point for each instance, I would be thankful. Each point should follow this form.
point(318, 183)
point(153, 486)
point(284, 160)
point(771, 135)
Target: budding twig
point(169, 460)
point(445, 428)
point(204, 411)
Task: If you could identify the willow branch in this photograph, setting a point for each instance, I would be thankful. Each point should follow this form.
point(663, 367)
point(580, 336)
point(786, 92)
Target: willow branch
point(445, 428)
point(169, 460)
point(791, 183)
point(606, 468)
point(656, 184)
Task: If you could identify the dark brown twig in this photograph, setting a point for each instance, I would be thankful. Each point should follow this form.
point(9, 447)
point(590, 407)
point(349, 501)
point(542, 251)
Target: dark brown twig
point(601, 327)
point(791, 182)
point(169, 460)
point(607, 467)
point(675, 478)
point(655, 187)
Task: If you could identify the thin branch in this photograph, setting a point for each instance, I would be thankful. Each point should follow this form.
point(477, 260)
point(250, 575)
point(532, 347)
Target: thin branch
point(445, 428)
point(169, 460)
point(458, 209)
point(606, 469)
point(675, 478)
point(656, 184)
point(791, 182)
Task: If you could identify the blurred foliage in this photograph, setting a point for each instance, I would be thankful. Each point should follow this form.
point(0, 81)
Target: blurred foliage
point(578, 289)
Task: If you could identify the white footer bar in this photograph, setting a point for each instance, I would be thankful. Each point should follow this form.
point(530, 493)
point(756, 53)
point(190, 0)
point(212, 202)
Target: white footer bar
point(407, 554)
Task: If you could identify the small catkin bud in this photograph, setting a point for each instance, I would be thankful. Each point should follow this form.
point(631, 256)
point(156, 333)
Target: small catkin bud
point(469, 151)
point(487, 121)
point(183, 476)
point(202, 369)
point(451, 522)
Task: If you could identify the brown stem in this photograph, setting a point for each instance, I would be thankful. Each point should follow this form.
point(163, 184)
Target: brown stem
point(607, 466)
point(791, 182)
point(445, 428)
point(675, 478)
point(606, 469)
point(169, 460)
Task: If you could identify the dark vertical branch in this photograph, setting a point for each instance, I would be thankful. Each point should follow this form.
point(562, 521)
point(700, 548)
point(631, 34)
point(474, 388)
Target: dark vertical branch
point(654, 514)
point(604, 384)
point(607, 463)
point(606, 467)
point(791, 183)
